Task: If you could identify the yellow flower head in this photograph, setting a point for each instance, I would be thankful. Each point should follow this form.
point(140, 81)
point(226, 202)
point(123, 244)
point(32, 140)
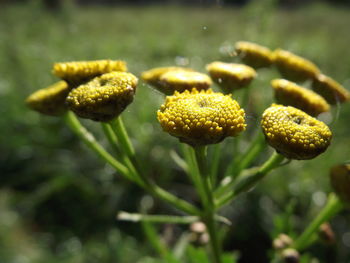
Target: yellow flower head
point(293, 67)
point(231, 76)
point(293, 133)
point(331, 90)
point(51, 100)
point(201, 117)
point(152, 76)
point(78, 72)
point(340, 180)
point(184, 80)
point(254, 55)
point(104, 97)
point(290, 94)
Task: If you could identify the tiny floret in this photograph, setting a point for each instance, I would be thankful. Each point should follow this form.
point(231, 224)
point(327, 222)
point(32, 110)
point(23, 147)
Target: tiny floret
point(104, 97)
point(330, 89)
point(290, 94)
point(254, 55)
point(51, 100)
point(184, 80)
point(293, 67)
point(201, 117)
point(78, 72)
point(231, 76)
point(152, 76)
point(293, 133)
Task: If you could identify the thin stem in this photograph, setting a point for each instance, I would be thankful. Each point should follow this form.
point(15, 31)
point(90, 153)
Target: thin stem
point(245, 183)
point(214, 165)
point(333, 206)
point(119, 129)
point(209, 206)
point(241, 163)
point(160, 219)
point(91, 142)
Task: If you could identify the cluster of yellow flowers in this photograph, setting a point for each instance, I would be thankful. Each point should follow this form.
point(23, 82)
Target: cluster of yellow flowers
point(193, 112)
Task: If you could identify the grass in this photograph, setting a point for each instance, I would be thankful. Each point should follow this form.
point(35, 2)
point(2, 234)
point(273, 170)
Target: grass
point(44, 166)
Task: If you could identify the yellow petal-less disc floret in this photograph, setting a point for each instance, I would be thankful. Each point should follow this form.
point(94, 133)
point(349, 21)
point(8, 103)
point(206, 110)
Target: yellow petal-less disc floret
point(254, 55)
point(231, 76)
point(51, 100)
point(184, 80)
point(293, 133)
point(331, 90)
point(340, 180)
point(294, 67)
point(290, 94)
point(104, 97)
point(201, 117)
point(78, 72)
point(152, 76)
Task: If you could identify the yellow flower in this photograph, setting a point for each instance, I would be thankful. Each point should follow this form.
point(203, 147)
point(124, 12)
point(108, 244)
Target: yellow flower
point(253, 54)
point(152, 76)
point(331, 90)
point(201, 117)
point(293, 67)
point(340, 180)
point(231, 76)
point(51, 100)
point(290, 94)
point(184, 80)
point(78, 72)
point(293, 133)
point(104, 97)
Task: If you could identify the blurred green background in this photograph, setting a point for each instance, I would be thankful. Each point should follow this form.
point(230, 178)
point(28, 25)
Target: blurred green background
point(58, 202)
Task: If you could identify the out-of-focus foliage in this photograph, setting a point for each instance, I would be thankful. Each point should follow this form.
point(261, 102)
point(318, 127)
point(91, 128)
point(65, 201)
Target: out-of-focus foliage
point(62, 193)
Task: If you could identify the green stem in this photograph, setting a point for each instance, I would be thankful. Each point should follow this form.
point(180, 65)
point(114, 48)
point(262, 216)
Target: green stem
point(248, 181)
point(241, 163)
point(122, 135)
point(160, 219)
point(91, 142)
point(333, 206)
point(214, 164)
point(209, 206)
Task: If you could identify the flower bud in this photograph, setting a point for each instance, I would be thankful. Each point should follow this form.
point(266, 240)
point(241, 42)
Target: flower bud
point(78, 72)
point(104, 97)
point(331, 90)
point(290, 255)
point(340, 180)
point(253, 54)
point(290, 94)
point(293, 67)
point(293, 133)
point(51, 100)
point(282, 241)
point(231, 76)
point(326, 234)
point(201, 117)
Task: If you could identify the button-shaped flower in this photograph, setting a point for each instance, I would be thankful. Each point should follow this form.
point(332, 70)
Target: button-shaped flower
point(231, 76)
point(254, 55)
point(340, 180)
point(51, 100)
point(331, 90)
point(290, 94)
point(201, 117)
point(78, 72)
point(293, 133)
point(104, 97)
point(294, 67)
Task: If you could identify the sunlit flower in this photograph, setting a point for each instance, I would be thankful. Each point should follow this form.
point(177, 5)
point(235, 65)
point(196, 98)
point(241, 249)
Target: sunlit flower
point(340, 180)
point(331, 90)
point(184, 80)
point(231, 76)
point(51, 100)
point(293, 133)
point(253, 54)
point(152, 76)
point(201, 117)
point(290, 94)
point(294, 67)
point(104, 97)
point(78, 72)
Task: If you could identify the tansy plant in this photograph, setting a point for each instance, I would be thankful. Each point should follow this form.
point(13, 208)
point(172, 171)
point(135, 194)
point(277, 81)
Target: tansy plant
point(200, 117)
